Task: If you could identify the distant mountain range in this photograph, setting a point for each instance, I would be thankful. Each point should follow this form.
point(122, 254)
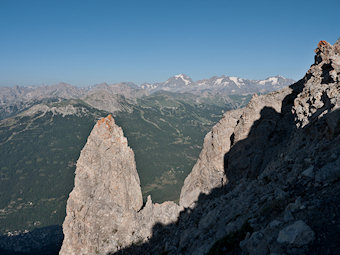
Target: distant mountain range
point(180, 83)
point(106, 96)
point(226, 84)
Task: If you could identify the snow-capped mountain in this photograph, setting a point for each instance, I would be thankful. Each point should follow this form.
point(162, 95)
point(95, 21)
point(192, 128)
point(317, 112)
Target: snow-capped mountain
point(180, 79)
point(149, 86)
point(14, 99)
point(176, 82)
point(225, 84)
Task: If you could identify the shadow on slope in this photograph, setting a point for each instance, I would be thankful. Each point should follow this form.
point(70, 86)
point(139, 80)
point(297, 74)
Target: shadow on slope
point(267, 143)
point(265, 140)
point(40, 241)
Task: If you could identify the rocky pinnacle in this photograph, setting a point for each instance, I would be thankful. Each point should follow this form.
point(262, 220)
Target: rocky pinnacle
point(102, 208)
point(106, 192)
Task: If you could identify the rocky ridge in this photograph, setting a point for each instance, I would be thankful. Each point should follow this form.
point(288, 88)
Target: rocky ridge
point(209, 172)
point(267, 181)
point(68, 109)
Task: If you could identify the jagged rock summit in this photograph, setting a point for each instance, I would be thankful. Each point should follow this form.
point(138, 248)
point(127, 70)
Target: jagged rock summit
point(320, 95)
point(106, 189)
point(280, 155)
point(102, 209)
point(267, 181)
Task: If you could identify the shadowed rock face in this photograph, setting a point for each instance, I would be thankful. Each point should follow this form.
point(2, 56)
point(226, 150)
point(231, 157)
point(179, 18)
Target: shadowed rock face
point(277, 161)
point(208, 172)
point(281, 157)
point(320, 95)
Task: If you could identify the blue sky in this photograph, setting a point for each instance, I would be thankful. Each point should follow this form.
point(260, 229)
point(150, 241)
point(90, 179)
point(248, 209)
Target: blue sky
point(88, 42)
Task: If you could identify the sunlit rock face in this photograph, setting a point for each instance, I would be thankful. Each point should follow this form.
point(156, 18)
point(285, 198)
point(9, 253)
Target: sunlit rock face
point(102, 208)
point(106, 193)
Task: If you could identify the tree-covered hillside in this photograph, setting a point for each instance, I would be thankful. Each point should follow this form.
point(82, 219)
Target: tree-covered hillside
point(40, 146)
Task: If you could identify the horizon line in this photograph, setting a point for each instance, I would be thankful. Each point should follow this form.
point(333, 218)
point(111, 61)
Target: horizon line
point(139, 84)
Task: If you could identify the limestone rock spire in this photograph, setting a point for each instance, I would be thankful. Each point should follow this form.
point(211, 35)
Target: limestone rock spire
point(106, 193)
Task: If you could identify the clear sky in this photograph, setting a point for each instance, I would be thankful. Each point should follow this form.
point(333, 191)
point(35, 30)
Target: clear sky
point(88, 42)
